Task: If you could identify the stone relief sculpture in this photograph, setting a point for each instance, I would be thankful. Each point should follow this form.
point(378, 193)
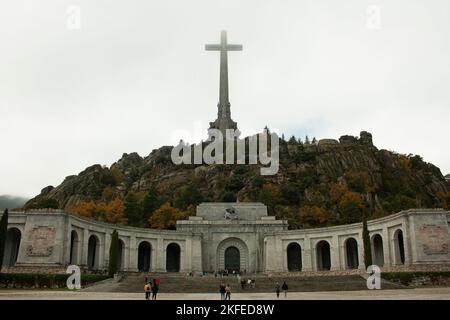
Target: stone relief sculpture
point(231, 214)
point(434, 239)
point(42, 242)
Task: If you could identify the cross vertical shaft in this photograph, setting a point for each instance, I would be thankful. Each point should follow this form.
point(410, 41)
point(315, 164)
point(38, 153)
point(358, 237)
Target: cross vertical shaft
point(224, 120)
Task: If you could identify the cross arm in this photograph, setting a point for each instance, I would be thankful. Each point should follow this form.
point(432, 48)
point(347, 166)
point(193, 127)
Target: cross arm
point(213, 47)
point(234, 47)
point(218, 47)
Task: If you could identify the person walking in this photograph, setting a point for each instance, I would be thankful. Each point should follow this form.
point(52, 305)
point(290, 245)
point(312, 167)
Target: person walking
point(147, 289)
point(284, 287)
point(155, 289)
point(228, 292)
point(222, 291)
point(277, 290)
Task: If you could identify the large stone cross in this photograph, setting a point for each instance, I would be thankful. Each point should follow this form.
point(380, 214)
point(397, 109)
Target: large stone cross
point(224, 112)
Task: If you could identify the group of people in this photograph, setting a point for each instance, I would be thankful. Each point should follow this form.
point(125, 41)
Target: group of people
point(225, 291)
point(248, 283)
point(283, 287)
point(226, 273)
point(151, 287)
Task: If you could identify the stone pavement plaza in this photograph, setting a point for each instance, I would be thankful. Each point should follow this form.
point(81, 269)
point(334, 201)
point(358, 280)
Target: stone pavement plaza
point(398, 294)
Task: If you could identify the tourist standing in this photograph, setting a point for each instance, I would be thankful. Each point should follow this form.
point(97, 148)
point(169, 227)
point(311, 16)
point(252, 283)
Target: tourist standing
point(277, 290)
point(228, 292)
point(284, 287)
point(147, 289)
point(222, 291)
point(155, 289)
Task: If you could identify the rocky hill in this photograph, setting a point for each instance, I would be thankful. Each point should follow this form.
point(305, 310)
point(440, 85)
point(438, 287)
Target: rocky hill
point(319, 183)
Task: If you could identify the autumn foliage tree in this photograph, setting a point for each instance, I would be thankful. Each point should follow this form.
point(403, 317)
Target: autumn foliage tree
point(165, 217)
point(270, 194)
point(112, 212)
point(312, 216)
point(444, 199)
point(350, 207)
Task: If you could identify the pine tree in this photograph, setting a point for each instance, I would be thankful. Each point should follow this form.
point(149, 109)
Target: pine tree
point(114, 254)
point(133, 209)
point(3, 231)
point(150, 204)
point(307, 140)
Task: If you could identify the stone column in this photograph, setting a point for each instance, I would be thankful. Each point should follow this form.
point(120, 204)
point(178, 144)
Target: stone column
point(84, 247)
point(279, 254)
point(361, 264)
point(307, 263)
point(160, 256)
point(388, 261)
point(101, 250)
point(132, 260)
point(196, 258)
point(67, 241)
point(334, 252)
point(284, 263)
point(106, 250)
point(342, 255)
point(126, 254)
point(406, 242)
point(186, 256)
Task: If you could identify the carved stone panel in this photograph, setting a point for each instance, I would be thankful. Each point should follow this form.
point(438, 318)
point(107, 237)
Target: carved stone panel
point(434, 239)
point(42, 242)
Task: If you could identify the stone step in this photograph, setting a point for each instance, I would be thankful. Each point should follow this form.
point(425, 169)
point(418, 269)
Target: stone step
point(263, 283)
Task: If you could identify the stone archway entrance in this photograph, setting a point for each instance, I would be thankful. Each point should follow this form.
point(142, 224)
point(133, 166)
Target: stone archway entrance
point(232, 254)
point(120, 256)
point(12, 245)
point(73, 247)
point(232, 259)
point(173, 255)
point(323, 256)
point(351, 250)
point(93, 252)
point(294, 257)
point(144, 256)
point(399, 247)
point(377, 250)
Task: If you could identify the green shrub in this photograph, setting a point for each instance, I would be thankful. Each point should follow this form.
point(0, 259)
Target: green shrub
point(406, 278)
point(39, 280)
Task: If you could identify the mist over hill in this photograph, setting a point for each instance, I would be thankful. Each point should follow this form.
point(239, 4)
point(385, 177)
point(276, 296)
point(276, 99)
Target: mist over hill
point(11, 202)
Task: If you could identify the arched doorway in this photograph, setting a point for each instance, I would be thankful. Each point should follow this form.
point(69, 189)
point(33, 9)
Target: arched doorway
point(323, 255)
point(93, 252)
point(232, 259)
point(12, 246)
point(351, 251)
point(399, 247)
point(144, 256)
point(223, 254)
point(173, 258)
point(294, 257)
point(120, 255)
point(74, 242)
point(377, 250)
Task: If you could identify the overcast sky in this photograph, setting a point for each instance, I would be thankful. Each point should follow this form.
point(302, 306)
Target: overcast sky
point(134, 76)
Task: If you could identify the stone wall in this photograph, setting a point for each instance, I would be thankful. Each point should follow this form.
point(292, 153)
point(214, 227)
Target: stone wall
point(413, 237)
point(49, 240)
